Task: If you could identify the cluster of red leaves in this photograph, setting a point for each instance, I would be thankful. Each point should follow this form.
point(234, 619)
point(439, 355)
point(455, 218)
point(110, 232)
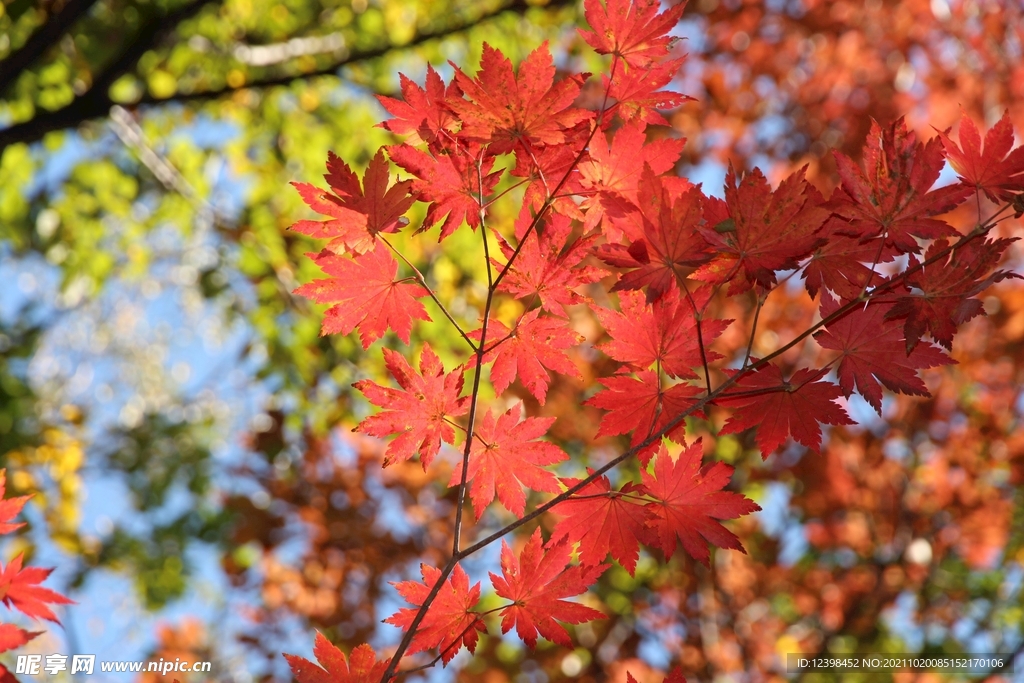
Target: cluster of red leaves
point(19, 585)
point(595, 189)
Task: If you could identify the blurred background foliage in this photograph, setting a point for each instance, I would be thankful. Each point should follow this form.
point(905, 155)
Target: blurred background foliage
point(185, 428)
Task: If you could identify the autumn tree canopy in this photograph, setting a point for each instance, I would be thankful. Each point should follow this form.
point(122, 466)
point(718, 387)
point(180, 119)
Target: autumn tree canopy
point(724, 294)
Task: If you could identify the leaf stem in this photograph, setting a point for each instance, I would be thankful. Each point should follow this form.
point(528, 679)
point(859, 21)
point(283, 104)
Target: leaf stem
point(423, 283)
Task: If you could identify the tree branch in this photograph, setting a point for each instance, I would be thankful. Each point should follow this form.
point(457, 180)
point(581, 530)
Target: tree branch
point(96, 102)
point(39, 42)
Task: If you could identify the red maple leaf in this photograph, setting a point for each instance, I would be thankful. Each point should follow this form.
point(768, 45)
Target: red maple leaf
point(643, 407)
point(838, 263)
point(664, 332)
point(513, 110)
point(891, 195)
point(9, 507)
point(549, 269)
point(536, 583)
point(947, 289)
point(528, 351)
point(778, 408)
point(450, 182)
point(602, 521)
point(994, 169)
point(874, 350)
point(419, 412)
point(383, 207)
point(20, 589)
point(346, 228)
point(671, 245)
point(367, 295)
point(12, 637)
point(449, 622)
point(360, 667)
point(506, 456)
point(634, 31)
point(614, 172)
point(762, 231)
point(689, 501)
point(357, 213)
point(639, 93)
point(425, 114)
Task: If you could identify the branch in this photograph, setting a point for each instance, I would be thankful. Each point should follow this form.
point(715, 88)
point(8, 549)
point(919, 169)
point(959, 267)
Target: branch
point(39, 42)
point(276, 53)
point(474, 400)
point(97, 102)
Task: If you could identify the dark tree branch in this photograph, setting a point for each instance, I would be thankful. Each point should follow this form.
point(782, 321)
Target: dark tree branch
point(39, 42)
point(96, 103)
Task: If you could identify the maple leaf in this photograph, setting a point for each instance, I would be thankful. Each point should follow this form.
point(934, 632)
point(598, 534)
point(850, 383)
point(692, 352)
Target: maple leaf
point(947, 289)
point(874, 350)
point(12, 637)
point(513, 110)
point(690, 501)
point(778, 408)
point(357, 213)
point(535, 344)
point(663, 332)
point(762, 231)
point(367, 295)
point(634, 31)
point(449, 623)
point(9, 507)
point(536, 583)
point(450, 182)
point(671, 243)
point(425, 114)
point(360, 667)
point(994, 168)
point(615, 171)
point(548, 268)
point(383, 207)
point(602, 521)
point(642, 407)
point(506, 456)
point(20, 589)
point(419, 412)
point(346, 228)
point(838, 264)
point(891, 195)
point(639, 93)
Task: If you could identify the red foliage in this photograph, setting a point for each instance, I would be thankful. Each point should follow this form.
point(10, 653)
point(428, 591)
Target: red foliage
point(599, 183)
point(19, 586)
point(536, 584)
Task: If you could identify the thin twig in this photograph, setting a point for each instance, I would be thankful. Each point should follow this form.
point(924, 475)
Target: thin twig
point(697, 316)
point(753, 328)
point(423, 283)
